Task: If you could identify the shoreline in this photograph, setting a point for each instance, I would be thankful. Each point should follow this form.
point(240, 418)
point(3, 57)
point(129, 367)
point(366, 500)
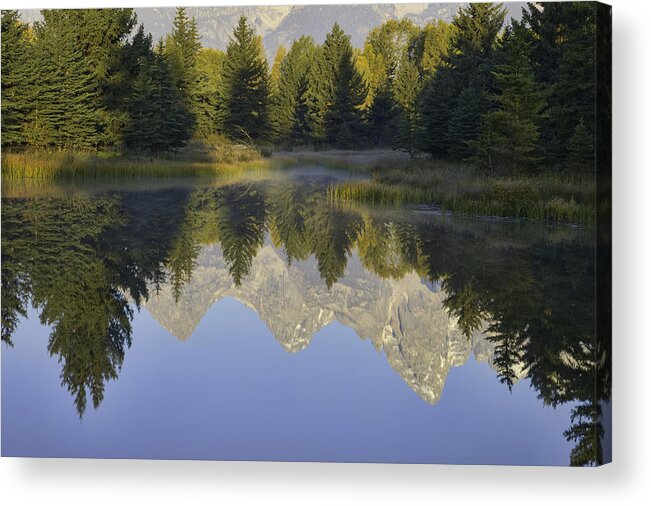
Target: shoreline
point(394, 179)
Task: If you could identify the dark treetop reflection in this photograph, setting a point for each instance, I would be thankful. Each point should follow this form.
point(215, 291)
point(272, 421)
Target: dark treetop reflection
point(521, 297)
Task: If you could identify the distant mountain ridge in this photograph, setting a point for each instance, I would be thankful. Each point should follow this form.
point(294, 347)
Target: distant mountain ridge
point(280, 25)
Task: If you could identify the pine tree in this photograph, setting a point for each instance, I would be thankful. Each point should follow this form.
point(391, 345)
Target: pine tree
point(510, 134)
point(564, 50)
point(336, 93)
point(386, 50)
point(206, 103)
point(274, 78)
point(16, 79)
point(468, 65)
point(159, 118)
point(289, 108)
point(182, 47)
point(382, 117)
point(464, 122)
point(406, 89)
point(245, 86)
point(67, 110)
point(103, 40)
point(580, 150)
point(436, 103)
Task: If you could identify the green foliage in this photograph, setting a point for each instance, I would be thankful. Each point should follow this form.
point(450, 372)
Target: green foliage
point(181, 49)
point(564, 51)
point(245, 86)
point(289, 107)
point(580, 150)
point(65, 111)
point(405, 90)
point(182, 46)
point(206, 100)
point(512, 100)
point(274, 77)
point(158, 115)
point(432, 46)
point(509, 134)
point(398, 57)
point(454, 100)
point(335, 93)
point(16, 99)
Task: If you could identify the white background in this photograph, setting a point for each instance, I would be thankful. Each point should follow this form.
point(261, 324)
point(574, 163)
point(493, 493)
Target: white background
point(626, 481)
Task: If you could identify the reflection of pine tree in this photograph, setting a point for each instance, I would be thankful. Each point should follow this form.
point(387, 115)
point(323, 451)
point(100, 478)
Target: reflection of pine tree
point(288, 210)
point(465, 305)
point(91, 327)
point(15, 282)
point(198, 227)
point(241, 221)
point(587, 432)
point(508, 356)
point(333, 234)
point(77, 281)
point(181, 261)
point(381, 250)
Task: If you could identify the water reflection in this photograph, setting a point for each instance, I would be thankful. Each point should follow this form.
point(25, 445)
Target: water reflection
point(426, 290)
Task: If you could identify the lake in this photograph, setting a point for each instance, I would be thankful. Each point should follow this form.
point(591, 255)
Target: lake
point(255, 318)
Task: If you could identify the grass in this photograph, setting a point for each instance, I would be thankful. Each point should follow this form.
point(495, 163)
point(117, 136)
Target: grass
point(395, 181)
point(212, 158)
point(461, 189)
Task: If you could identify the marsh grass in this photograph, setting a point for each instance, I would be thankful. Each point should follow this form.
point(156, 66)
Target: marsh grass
point(198, 159)
point(462, 190)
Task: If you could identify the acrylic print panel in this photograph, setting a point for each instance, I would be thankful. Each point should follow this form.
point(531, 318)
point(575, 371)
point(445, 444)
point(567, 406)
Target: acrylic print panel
point(348, 233)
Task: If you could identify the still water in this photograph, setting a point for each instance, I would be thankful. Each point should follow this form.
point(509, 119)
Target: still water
point(258, 319)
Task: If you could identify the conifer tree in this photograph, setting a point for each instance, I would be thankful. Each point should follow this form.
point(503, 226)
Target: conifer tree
point(406, 88)
point(336, 93)
point(469, 65)
point(580, 150)
point(563, 38)
point(464, 122)
point(206, 102)
point(436, 102)
point(103, 38)
point(274, 78)
point(382, 117)
point(66, 112)
point(289, 103)
point(159, 118)
point(16, 100)
point(510, 134)
point(182, 47)
point(245, 86)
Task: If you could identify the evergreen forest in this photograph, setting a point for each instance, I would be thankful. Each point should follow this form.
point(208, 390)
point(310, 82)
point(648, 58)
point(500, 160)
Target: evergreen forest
point(505, 96)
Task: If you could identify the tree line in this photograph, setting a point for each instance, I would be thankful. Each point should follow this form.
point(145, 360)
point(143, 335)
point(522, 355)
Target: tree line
point(508, 97)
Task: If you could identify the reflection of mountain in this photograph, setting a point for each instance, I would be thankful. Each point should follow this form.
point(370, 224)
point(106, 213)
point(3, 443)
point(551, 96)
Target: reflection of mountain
point(405, 319)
